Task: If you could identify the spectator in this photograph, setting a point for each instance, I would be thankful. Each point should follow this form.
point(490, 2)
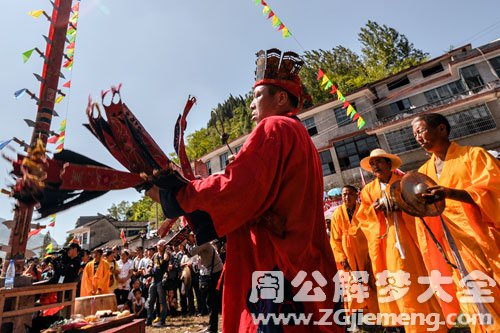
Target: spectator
point(126, 271)
point(138, 305)
point(114, 270)
point(156, 291)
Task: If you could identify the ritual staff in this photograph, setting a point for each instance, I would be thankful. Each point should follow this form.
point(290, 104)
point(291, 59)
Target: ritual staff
point(95, 279)
point(350, 250)
point(468, 179)
point(392, 244)
point(269, 204)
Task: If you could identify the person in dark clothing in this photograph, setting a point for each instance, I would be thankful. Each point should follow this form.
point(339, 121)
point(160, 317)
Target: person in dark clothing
point(160, 266)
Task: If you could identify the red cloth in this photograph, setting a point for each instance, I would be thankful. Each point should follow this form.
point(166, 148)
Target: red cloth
point(277, 169)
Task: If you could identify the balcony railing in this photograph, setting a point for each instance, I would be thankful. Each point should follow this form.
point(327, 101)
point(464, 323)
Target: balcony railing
point(426, 107)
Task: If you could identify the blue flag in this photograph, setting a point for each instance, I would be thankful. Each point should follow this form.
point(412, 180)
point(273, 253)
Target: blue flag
point(4, 143)
point(19, 93)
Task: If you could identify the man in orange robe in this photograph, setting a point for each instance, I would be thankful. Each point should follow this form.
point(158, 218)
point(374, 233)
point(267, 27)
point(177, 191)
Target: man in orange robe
point(469, 180)
point(350, 250)
point(95, 279)
point(396, 260)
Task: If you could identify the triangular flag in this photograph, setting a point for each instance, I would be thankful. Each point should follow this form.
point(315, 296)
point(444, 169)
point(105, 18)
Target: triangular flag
point(4, 143)
point(19, 93)
point(361, 123)
point(281, 26)
point(320, 74)
point(36, 13)
point(334, 90)
point(70, 53)
point(325, 80)
point(75, 7)
point(70, 66)
point(74, 17)
point(328, 85)
point(71, 32)
point(60, 147)
point(257, 2)
point(271, 14)
point(285, 32)
point(59, 99)
point(33, 232)
point(70, 46)
point(356, 116)
point(266, 9)
point(67, 84)
point(276, 21)
point(350, 109)
point(340, 97)
point(60, 140)
point(351, 115)
point(53, 139)
point(62, 126)
point(48, 248)
point(27, 55)
point(52, 220)
point(346, 104)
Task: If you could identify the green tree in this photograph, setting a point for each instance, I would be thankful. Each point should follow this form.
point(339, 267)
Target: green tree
point(119, 212)
point(144, 210)
point(385, 51)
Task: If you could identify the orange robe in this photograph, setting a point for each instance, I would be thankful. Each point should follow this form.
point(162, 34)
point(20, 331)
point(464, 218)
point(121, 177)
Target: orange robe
point(475, 228)
point(92, 281)
point(385, 257)
point(349, 243)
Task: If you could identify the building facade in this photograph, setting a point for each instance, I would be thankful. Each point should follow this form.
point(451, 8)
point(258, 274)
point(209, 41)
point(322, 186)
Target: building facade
point(462, 84)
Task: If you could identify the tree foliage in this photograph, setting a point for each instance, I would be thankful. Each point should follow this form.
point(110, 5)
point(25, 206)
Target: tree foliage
point(145, 209)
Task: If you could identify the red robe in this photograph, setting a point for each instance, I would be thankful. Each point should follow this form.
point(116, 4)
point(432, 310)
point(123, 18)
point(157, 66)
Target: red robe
point(277, 169)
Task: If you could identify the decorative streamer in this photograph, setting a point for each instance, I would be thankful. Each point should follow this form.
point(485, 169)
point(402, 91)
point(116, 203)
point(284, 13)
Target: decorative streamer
point(276, 22)
point(52, 221)
point(18, 94)
point(27, 54)
point(67, 84)
point(4, 143)
point(326, 83)
point(36, 13)
point(351, 112)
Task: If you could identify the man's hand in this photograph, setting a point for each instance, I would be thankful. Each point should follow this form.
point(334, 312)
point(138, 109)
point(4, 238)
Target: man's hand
point(231, 158)
point(436, 193)
point(378, 205)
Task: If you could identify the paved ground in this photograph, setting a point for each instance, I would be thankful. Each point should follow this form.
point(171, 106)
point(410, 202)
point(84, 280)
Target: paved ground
point(182, 325)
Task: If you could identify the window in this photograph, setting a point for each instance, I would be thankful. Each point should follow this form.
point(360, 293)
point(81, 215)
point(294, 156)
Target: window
point(341, 115)
point(399, 106)
point(445, 92)
point(85, 239)
point(237, 149)
point(310, 126)
point(398, 83)
point(327, 162)
point(495, 63)
point(131, 233)
point(224, 160)
point(401, 140)
point(471, 77)
point(471, 121)
point(477, 119)
point(352, 150)
point(209, 167)
point(432, 70)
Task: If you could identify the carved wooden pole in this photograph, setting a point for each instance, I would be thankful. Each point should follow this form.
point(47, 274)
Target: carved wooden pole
point(54, 52)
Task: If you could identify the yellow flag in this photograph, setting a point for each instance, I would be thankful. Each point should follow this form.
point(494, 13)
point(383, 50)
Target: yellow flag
point(36, 13)
point(49, 248)
point(350, 109)
point(59, 99)
point(325, 80)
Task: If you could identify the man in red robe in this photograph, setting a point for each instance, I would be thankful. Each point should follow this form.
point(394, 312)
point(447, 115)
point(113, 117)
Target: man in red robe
point(269, 205)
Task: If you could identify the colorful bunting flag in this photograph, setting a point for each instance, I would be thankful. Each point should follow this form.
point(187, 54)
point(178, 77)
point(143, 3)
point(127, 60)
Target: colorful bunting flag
point(52, 220)
point(67, 84)
point(122, 236)
point(49, 248)
point(53, 139)
point(62, 126)
point(328, 85)
point(350, 109)
point(70, 46)
point(71, 32)
point(285, 32)
point(59, 99)
point(361, 123)
point(320, 74)
point(356, 116)
point(325, 80)
point(4, 143)
point(334, 90)
point(345, 105)
point(76, 7)
point(36, 13)
point(34, 232)
point(60, 148)
point(27, 55)
point(18, 94)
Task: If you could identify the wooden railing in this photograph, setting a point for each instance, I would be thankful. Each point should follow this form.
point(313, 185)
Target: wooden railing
point(11, 299)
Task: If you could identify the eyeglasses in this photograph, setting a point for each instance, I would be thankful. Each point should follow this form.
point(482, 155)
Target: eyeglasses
point(420, 132)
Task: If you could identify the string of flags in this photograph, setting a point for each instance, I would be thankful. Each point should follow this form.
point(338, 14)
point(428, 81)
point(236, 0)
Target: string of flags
point(276, 22)
point(326, 83)
point(351, 112)
point(58, 140)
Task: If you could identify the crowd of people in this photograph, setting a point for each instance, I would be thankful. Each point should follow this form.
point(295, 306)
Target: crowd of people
point(151, 283)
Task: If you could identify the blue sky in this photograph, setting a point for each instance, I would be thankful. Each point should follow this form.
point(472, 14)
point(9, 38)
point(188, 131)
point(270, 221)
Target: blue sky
point(162, 51)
